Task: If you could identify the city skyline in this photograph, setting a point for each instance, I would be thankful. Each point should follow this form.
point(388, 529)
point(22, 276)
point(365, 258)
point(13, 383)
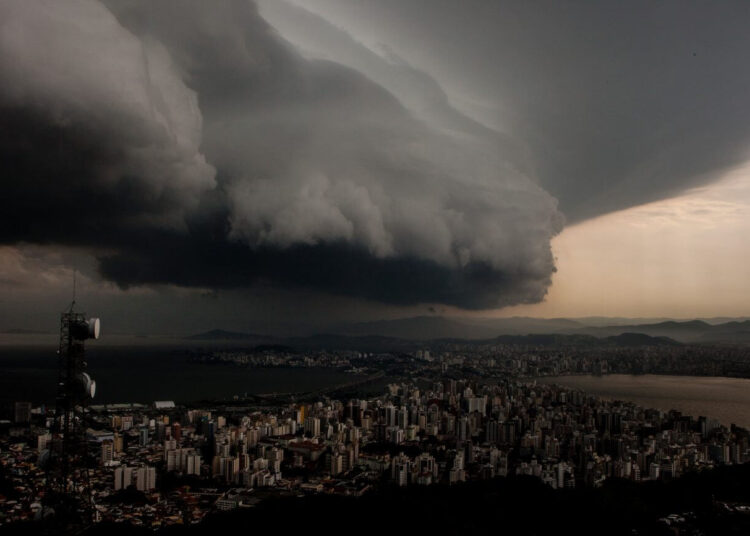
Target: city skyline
point(384, 267)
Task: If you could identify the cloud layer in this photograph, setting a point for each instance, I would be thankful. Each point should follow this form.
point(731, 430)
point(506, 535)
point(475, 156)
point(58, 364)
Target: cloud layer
point(99, 133)
point(619, 103)
point(188, 143)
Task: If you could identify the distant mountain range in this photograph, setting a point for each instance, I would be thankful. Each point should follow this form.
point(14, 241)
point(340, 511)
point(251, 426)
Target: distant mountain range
point(223, 335)
point(435, 327)
point(440, 327)
point(372, 343)
point(693, 331)
point(411, 331)
point(20, 331)
point(378, 343)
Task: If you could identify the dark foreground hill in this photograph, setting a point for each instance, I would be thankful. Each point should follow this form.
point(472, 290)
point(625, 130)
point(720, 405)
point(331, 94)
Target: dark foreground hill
point(520, 506)
point(516, 505)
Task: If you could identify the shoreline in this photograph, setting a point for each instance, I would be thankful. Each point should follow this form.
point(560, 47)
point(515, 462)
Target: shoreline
point(717, 397)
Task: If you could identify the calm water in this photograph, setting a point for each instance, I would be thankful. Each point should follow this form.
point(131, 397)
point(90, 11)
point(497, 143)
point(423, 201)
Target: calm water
point(138, 374)
point(725, 399)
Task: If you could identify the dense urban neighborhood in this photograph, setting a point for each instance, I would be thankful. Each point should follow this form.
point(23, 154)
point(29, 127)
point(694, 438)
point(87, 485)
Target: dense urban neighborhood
point(451, 417)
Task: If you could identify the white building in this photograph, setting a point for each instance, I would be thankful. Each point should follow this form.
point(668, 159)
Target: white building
point(145, 478)
point(123, 477)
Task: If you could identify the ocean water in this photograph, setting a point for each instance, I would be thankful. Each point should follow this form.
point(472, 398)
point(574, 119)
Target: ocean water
point(724, 399)
point(144, 374)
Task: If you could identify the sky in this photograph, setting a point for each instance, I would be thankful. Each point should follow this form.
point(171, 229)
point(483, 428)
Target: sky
point(683, 257)
point(283, 163)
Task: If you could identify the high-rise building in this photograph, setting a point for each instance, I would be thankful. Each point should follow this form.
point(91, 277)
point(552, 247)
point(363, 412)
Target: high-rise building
point(390, 415)
point(230, 469)
point(425, 464)
point(462, 428)
point(108, 452)
point(145, 478)
point(169, 444)
point(117, 443)
point(312, 426)
point(253, 436)
point(172, 459)
point(177, 432)
point(193, 464)
point(402, 418)
point(208, 429)
point(476, 403)
point(335, 463)
point(42, 441)
point(116, 422)
point(127, 422)
point(400, 468)
point(123, 477)
point(301, 414)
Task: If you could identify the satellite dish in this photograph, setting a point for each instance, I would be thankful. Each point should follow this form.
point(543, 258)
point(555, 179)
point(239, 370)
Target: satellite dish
point(86, 385)
point(93, 325)
point(87, 329)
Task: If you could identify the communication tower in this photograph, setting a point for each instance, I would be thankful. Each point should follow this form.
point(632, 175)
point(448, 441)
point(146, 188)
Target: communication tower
point(68, 459)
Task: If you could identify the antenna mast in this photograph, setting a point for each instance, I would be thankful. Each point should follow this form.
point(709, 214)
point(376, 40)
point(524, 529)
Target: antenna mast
point(73, 303)
point(67, 467)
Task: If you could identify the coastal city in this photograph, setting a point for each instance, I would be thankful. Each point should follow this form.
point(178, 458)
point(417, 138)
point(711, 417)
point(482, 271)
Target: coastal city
point(509, 356)
point(160, 464)
point(419, 267)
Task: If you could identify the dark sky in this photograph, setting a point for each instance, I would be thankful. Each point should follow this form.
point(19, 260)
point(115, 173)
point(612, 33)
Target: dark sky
point(285, 164)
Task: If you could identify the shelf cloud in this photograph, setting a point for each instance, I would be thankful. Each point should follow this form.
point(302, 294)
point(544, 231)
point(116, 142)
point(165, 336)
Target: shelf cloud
point(617, 103)
point(190, 144)
point(99, 133)
point(225, 145)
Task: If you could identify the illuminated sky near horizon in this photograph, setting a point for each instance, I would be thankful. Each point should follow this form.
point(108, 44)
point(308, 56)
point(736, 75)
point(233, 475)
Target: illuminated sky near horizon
point(683, 257)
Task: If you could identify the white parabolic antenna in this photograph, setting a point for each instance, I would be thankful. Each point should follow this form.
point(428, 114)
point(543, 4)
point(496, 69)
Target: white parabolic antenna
point(88, 386)
point(93, 326)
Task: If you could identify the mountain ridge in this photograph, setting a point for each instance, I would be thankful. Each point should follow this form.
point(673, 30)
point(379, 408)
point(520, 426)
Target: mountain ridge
point(431, 328)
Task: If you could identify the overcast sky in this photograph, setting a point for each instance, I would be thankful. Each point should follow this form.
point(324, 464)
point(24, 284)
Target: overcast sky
point(264, 166)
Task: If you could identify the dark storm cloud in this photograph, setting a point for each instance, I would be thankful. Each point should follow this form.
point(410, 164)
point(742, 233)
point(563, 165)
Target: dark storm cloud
point(98, 134)
point(620, 103)
point(338, 268)
point(419, 92)
point(324, 180)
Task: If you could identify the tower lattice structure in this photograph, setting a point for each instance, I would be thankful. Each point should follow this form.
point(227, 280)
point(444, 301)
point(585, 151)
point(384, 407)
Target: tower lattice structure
point(68, 483)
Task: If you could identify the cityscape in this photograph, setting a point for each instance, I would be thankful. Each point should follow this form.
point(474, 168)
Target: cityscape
point(441, 418)
point(374, 267)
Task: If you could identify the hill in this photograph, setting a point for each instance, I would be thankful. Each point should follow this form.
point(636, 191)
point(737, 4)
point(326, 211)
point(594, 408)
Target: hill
point(692, 331)
point(441, 327)
point(223, 335)
point(379, 343)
